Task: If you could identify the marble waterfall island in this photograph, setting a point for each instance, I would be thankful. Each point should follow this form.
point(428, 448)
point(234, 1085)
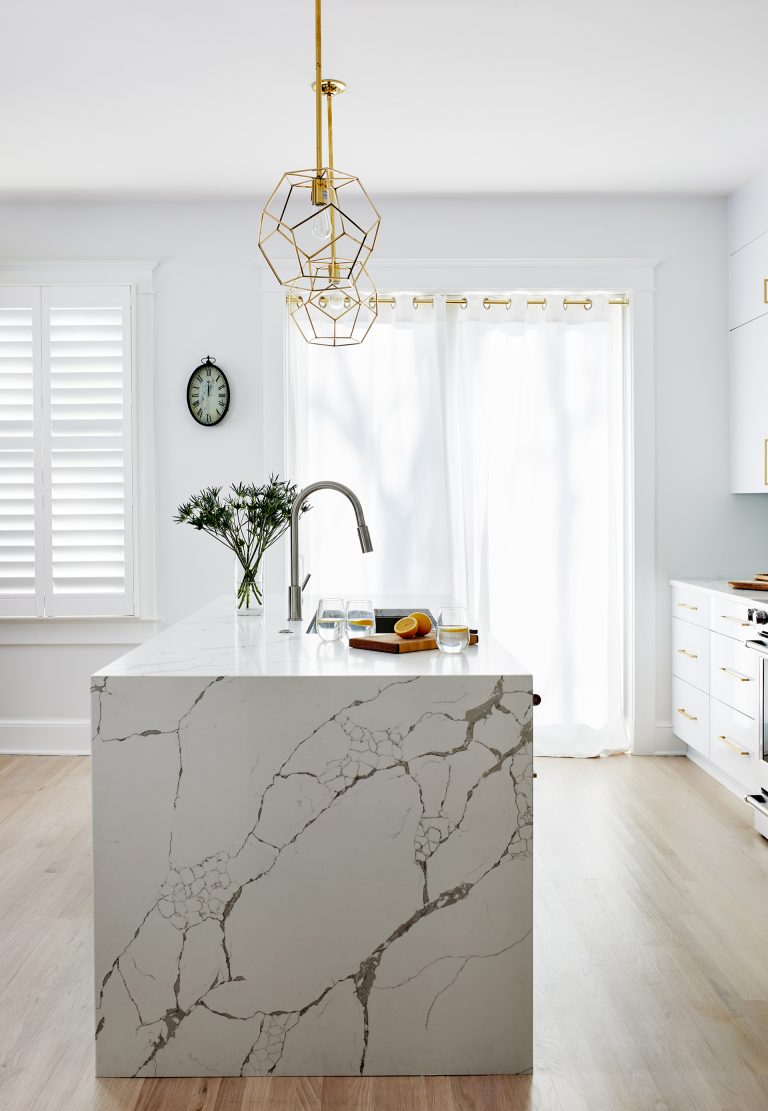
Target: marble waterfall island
point(310, 860)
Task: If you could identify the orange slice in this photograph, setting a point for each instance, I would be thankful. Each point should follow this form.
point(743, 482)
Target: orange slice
point(407, 627)
point(425, 624)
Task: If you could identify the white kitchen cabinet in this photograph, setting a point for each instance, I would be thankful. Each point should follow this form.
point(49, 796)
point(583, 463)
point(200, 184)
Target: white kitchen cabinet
point(733, 743)
point(715, 681)
point(690, 715)
point(749, 407)
point(730, 618)
point(749, 282)
point(690, 605)
point(733, 674)
point(690, 653)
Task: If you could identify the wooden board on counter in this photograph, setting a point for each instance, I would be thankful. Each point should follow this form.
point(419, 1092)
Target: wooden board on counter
point(391, 642)
point(757, 584)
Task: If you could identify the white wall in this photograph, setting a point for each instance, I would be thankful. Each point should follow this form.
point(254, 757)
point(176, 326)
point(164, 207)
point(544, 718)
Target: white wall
point(211, 299)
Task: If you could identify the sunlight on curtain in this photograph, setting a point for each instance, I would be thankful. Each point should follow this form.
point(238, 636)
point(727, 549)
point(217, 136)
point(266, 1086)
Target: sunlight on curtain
point(486, 447)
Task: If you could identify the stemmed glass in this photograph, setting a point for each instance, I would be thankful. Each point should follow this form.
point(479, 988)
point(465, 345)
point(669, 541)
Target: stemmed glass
point(453, 630)
point(361, 620)
point(330, 618)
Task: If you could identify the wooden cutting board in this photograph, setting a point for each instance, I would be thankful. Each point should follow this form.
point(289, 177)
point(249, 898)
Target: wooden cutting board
point(391, 642)
point(757, 584)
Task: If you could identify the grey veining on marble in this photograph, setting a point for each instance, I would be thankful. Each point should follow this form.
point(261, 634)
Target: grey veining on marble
point(312, 875)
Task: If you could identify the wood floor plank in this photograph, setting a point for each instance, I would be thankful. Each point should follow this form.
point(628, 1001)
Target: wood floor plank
point(651, 976)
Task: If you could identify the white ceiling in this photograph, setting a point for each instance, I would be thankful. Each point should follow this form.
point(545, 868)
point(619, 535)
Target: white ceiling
point(211, 98)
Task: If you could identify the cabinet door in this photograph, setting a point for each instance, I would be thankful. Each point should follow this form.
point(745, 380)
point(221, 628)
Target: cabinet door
point(749, 408)
point(690, 715)
point(733, 744)
point(749, 281)
point(733, 676)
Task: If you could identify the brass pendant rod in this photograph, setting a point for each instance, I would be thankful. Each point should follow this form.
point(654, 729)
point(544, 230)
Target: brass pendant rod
point(334, 271)
point(318, 87)
point(329, 97)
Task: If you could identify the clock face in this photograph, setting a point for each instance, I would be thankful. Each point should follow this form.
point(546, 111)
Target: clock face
point(208, 394)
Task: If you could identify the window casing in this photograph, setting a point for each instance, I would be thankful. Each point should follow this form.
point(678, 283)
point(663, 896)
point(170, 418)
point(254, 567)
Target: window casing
point(66, 436)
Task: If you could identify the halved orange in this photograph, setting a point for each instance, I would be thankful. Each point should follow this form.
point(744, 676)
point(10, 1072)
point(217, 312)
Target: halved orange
point(425, 625)
point(407, 627)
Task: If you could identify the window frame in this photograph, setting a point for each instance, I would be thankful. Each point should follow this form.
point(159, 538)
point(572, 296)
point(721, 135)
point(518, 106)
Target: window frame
point(71, 623)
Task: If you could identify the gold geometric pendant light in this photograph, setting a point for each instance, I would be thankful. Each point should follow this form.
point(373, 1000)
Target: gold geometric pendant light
point(317, 232)
point(338, 316)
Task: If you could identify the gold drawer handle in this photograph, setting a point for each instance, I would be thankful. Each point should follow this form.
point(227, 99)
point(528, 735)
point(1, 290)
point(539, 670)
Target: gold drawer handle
point(686, 606)
point(736, 675)
point(686, 714)
point(736, 748)
point(765, 291)
point(736, 620)
point(685, 652)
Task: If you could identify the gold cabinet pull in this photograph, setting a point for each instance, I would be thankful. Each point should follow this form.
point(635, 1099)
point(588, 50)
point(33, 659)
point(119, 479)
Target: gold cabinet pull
point(685, 714)
point(765, 291)
point(685, 652)
point(736, 748)
point(686, 606)
point(736, 675)
point(736, 620)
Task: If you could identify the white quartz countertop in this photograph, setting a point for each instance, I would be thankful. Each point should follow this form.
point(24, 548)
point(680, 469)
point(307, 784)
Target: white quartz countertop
point(720, 586)
point(214, 641)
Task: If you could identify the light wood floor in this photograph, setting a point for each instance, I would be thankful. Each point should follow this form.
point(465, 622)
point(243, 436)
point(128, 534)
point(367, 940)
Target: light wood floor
point(651, 956)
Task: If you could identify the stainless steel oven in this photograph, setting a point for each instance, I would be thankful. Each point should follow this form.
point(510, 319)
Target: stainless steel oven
point(759, 644)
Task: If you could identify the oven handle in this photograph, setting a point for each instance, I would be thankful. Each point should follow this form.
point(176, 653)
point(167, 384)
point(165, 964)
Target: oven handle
point(762, 650)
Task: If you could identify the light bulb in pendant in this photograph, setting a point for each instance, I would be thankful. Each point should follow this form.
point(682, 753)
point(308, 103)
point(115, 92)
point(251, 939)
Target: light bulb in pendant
point(321, 225)
point(335, 297)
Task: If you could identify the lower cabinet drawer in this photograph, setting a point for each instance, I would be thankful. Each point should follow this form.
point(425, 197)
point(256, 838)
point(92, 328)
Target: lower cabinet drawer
point(690, 715)
point(691, 605)
point(733, 743)
point(733, 674)
point(690, 653)
point(730, 618)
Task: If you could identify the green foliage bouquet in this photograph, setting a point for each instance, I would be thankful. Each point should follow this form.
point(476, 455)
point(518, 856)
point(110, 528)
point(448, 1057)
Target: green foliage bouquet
point(248, 520)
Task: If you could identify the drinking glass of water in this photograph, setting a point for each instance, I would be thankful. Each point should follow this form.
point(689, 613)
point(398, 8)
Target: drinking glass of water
point(330, 618)
point(361, 620)
point(453, 630)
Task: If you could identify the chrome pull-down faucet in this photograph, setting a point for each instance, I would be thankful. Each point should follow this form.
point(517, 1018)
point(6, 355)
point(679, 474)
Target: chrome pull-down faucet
point(294, 591)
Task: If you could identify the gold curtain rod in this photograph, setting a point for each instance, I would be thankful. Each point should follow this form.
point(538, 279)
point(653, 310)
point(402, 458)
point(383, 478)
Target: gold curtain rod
point(488, 302)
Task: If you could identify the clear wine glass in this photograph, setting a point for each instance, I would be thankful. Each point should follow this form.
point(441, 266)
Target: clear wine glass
point(453, 630)
point(361, 620)
point(330, 618)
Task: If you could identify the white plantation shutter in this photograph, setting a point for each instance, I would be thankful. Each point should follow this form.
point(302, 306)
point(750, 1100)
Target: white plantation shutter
point(19, 458)
point(80, 550)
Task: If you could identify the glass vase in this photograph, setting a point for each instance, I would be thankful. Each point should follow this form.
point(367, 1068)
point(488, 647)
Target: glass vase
point(249, 590)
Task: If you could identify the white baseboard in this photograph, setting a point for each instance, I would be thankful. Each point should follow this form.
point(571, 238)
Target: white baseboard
point(665, 743)
point(53, 737)
point(722, 778)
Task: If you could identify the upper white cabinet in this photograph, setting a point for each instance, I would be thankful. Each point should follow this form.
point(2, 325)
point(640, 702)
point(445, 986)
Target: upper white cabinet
point(749, 407)
point(749, 282)
point(748, 247)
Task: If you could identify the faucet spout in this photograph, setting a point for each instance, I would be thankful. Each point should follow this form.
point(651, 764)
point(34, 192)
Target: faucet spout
point(294, 591)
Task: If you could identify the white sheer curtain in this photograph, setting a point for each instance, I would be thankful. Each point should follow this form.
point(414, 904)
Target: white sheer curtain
point(486, 447)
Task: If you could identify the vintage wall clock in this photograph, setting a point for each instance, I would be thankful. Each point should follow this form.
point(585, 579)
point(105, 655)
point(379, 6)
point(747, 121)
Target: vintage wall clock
point(208, 393)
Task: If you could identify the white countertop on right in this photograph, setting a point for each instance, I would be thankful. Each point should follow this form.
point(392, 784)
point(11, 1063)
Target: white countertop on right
point(720, 586)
